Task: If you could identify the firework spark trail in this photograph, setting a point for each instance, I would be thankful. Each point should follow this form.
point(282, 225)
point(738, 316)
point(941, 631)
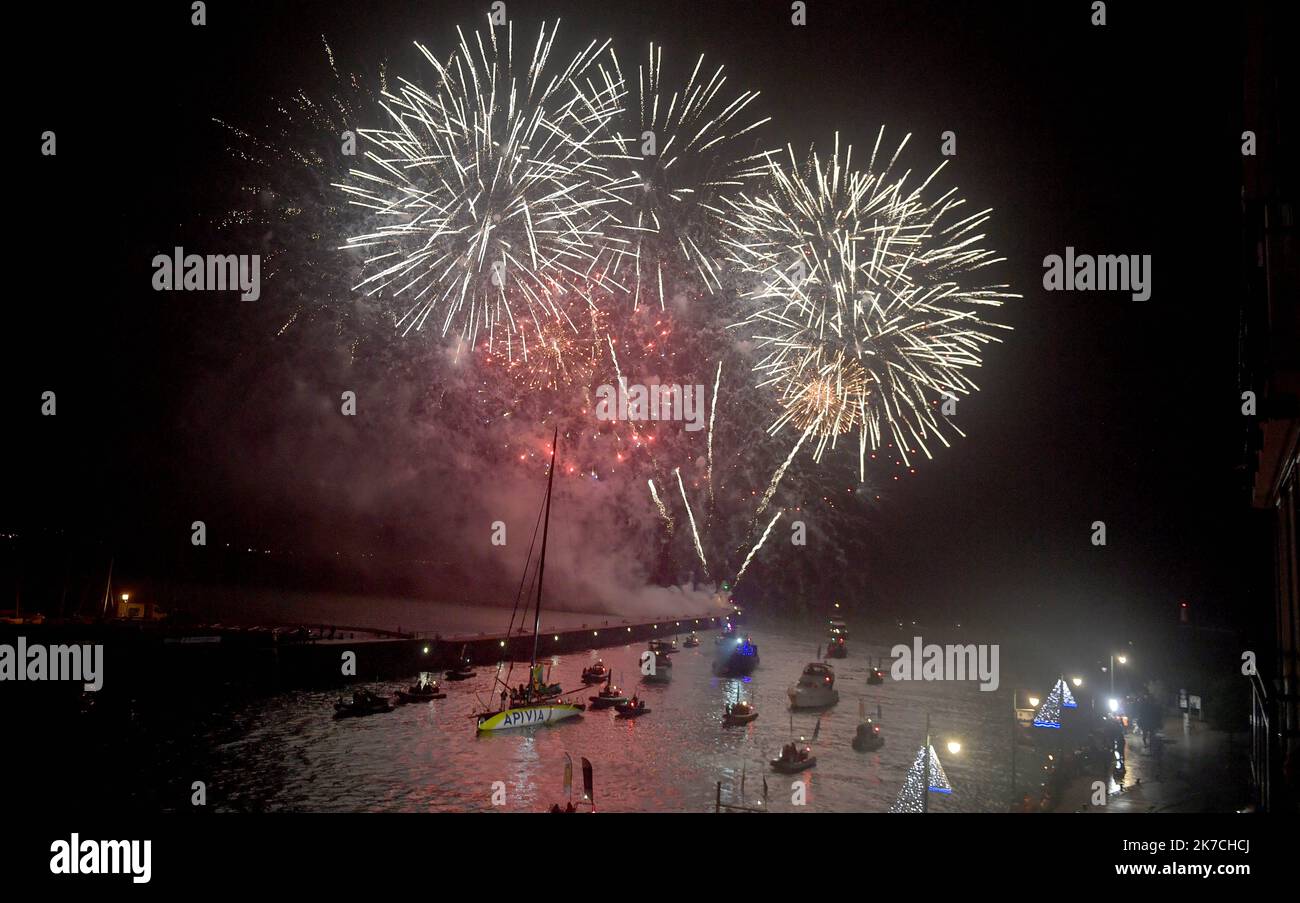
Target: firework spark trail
point(754, 551)
point(699, 548)
point(663, 511)
point(713, 411)
point(780, 471)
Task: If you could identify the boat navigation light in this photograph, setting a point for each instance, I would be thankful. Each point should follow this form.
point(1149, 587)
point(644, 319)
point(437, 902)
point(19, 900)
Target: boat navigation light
point(426, 650)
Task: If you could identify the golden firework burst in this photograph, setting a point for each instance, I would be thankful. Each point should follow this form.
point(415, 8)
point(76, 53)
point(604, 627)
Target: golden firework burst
point(832, 397)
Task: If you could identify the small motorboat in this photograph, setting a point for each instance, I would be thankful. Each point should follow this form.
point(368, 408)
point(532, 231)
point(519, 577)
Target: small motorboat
point(691, 641)
point(736, 659)
point(422, 692)
point(875, 676)
point(595, 673)
point(739, 713)
point(363, 703)
point(609, 695)
point(633, 708)
point(794, 758)
point(836, 647)
point(815, 689)
point(660, 676)
point(463, 670)
point(868, 738)
point(667, 647)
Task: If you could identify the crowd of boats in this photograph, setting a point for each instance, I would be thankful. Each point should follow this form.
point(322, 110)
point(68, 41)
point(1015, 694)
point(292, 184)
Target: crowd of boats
point(541, 701)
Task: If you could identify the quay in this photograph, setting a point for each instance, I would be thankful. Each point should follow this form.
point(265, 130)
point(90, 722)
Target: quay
point(144, 659)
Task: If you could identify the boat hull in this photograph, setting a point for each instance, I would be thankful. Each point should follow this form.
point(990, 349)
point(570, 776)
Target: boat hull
point(785, 766)
point(607, 702)
point(812, 698)
point(527, 716)
point(867, 745)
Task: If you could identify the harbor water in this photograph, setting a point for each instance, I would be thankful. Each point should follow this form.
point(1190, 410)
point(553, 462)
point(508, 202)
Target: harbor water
point(286, 753)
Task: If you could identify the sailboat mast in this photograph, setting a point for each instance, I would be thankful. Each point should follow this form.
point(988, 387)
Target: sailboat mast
point(541, 563)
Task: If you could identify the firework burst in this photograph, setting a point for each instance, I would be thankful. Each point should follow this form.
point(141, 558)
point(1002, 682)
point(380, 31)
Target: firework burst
point(490, 189)
point(862, 301)
point(686, 154)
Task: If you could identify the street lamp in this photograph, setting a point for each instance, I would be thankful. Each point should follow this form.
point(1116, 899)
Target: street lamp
point(1077, 681)
point(953, 747)
point(1123, 660)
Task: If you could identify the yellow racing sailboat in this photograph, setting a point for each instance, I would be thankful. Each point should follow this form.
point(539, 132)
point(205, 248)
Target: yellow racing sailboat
point(536, 702)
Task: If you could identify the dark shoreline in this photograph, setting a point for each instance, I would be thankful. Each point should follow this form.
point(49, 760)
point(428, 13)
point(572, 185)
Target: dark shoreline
point(153, 660)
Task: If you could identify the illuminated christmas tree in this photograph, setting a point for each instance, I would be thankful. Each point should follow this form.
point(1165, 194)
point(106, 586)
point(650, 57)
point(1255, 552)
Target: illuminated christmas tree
point(1067, 698)
point(912, 797)
point(1049, 713)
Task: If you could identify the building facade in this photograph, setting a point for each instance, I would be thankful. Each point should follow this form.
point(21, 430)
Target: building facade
point(1270, 382)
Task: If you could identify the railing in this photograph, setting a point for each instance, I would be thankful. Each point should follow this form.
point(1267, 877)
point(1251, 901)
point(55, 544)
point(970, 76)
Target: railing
point(1264, 754)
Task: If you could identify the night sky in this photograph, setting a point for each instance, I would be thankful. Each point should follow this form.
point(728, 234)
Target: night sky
point(1122, 139)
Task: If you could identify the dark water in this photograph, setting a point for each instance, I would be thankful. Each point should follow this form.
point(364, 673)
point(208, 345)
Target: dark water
point(287, 753)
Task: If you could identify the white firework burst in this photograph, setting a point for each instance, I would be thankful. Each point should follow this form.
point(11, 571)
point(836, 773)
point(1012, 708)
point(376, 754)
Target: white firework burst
point(687, 151)
point(865, 299)
point(491, 190)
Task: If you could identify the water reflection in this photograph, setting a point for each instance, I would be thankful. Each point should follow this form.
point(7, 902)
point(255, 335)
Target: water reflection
point(287, 753)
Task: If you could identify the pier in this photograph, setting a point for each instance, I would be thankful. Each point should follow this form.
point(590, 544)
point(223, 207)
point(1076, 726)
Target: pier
point(144, 660)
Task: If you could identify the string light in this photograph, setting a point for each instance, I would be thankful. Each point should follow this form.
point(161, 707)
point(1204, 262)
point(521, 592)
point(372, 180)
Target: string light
point(1049, 713)
point(912, 797)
